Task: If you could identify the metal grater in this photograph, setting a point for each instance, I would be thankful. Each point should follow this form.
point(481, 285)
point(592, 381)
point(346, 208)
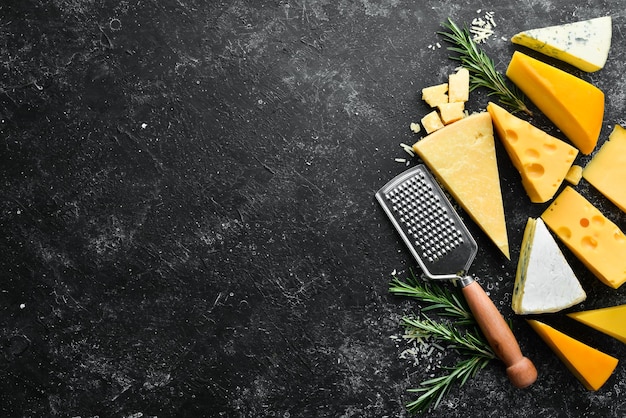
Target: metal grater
point(428, 224)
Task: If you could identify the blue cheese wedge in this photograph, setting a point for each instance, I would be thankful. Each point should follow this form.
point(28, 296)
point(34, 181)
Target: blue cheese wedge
point(583, 44)
point(544, 281)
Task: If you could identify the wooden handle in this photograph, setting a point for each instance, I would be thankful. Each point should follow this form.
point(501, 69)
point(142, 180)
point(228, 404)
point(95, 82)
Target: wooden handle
point(521, 371)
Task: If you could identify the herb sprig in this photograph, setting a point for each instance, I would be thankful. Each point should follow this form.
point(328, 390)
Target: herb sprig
point(482, 69)
point(466, 340)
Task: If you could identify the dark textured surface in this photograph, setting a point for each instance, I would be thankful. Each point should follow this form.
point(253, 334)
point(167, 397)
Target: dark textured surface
point(188, 214)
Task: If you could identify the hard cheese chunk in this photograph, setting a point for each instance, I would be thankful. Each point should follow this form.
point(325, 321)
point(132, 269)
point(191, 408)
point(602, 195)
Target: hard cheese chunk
point(593, 238)
point(544, 281)
point(591, 366)
point(463, 157)
point(611, 321)
point(542, 160)
point(583, 44)
point(572, 104)
point(607, 169)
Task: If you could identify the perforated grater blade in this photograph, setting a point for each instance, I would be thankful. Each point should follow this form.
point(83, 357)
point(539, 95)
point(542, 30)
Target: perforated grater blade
point(428, 224)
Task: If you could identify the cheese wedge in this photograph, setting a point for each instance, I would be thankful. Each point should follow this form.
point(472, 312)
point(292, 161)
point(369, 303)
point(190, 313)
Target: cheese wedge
point(607, 169)
point(542, 160)
point(462, 156)
point(575, 106)
point(544, 281)
point(583, 44)
point(611, 321)
point(593, 238)
point(591, 366)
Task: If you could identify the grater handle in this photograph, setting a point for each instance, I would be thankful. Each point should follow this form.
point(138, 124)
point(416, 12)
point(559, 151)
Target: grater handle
point(521, 371)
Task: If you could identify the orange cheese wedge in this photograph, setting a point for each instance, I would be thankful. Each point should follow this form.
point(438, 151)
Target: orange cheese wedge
point(575, 106)
point(591, 366)
point(542, 160)
point(611, 321)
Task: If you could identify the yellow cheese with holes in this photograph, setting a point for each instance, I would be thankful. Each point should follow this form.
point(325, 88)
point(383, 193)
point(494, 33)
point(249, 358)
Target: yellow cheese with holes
point(591, 366)
point(575, 106)
point(593, 238)
point(462, 156)
point(607, 169)
point(611, 320)
point(542, 160)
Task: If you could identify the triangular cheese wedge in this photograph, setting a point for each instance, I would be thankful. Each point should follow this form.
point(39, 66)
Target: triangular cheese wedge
point(583, 44)
point(544, 281)
point(591, 366)
point(607, 169)
point(463, 157)
point(542, 160)
point(575, 106)
point(611, 321)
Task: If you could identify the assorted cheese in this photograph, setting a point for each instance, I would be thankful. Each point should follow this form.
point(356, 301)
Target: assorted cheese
point(542, 160)
point(463, 157)
point(591, 366)
point(575, 106)
point(611, 320)
point(544, 281)
point(590, 235)
point(607, 169)
point(583, 44)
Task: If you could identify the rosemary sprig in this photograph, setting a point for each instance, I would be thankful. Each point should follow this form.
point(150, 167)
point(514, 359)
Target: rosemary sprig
point(482, 69)
point(467, 340)
point(438, 297)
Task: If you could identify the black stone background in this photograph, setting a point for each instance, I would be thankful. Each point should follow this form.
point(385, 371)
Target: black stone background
point(188, 214)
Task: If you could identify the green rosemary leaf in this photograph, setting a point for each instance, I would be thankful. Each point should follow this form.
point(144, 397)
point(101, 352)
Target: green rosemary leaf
point(482, 68)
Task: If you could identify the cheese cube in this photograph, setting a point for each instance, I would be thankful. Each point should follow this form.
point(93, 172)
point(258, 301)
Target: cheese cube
point(435, 95)
point(451, 112)
point(432, 122)
point(458, 86)
point(593, 238)
point(607, 169)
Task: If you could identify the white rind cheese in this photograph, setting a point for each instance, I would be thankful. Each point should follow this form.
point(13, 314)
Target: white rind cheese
point(544, 281)
point(583, 44)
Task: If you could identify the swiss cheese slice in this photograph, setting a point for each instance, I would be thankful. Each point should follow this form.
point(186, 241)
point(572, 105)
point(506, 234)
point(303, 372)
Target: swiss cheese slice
point(593, 238)
point(611, 320)
point(462, 156)
point(591, 366)
point(583, 44)
point(542, 160)
point(575, 106)
point(544, 281)
point(607, 169)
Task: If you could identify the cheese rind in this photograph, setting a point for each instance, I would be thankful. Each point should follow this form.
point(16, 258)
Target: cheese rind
point(593, 238)
point(584, 44)
point(544, 281)
point(607, 169)
point(462, 156)
point(542, 160)
point(611, 320)
point(575, 106)
point(591, 366)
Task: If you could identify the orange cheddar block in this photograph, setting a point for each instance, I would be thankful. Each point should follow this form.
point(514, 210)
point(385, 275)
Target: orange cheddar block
point(575, 106)
point(542, 160)
point(607, 169)
point(593, 238)
point(591, 366)
point(611, 320)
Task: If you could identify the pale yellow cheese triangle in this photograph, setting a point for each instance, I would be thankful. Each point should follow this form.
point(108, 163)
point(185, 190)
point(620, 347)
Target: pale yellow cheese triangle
point(462, 156)
point(611, 320)
point(591, 366)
